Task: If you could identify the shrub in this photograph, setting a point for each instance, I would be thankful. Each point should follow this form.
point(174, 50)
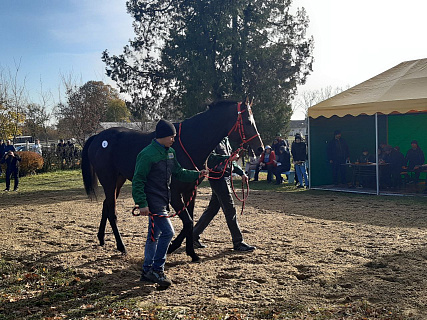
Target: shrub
point(30, 163)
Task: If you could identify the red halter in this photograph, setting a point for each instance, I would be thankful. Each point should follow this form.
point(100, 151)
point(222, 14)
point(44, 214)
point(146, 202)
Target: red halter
point(238, 126)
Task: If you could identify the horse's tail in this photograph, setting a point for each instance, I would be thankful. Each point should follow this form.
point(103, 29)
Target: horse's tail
point(90, 180)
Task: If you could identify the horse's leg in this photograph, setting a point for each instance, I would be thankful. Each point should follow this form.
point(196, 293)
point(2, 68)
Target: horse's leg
point(109, 212)
point(189, 239)
point(112, 217)
point(102, 224)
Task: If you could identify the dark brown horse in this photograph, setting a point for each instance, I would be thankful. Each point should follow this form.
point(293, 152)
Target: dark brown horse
point(109, 157)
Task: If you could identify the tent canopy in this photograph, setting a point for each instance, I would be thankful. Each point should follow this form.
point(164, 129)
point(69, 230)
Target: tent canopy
point(401, 89)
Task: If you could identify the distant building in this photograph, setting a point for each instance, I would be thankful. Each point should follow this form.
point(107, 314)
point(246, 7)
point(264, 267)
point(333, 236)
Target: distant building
point(298, 126)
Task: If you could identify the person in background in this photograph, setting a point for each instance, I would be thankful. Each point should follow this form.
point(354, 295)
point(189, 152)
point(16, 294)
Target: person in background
point(283, 163)
point(222, 196)
point(252, 163)
point(2, 146)
point(414, 159)
point(338, 154)
point(12, 167)
point(366, 157)
point(61, 152)
point(396, 160)
point(278, 142)
point(9, 146)
point(37, 147)
point(155, 165)
point(299, 155)
point(266, 162)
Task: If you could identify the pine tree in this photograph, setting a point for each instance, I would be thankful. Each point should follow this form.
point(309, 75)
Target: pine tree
point(189, 52)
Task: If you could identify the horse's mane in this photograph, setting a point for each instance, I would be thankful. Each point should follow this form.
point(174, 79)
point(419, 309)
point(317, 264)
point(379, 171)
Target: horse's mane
point(212, 106)
point(219, 103)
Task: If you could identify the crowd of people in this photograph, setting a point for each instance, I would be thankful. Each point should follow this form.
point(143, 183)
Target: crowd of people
point(276, 160)
point(66, 153)
point(395, 167)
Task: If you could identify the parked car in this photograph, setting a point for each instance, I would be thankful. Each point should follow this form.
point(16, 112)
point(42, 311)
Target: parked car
point(24, 148)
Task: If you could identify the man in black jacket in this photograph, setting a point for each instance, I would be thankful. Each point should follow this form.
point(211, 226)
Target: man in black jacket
point(283, 163)
point(12, 166)
point(222, 196)
point(2, 146)
point(414, 159)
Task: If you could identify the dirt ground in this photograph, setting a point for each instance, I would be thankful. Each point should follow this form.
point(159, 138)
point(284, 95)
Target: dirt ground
point(314, 249)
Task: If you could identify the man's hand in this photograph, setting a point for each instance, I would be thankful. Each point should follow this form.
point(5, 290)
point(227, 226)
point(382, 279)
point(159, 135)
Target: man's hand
point(244, 178)
point(144, 211)
point(204, 172)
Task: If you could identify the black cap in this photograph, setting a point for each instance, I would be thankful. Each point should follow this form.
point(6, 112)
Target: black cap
point(337, 132)
point(165, 128)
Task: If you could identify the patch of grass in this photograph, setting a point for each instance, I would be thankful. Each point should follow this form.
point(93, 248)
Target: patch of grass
point(67, 179)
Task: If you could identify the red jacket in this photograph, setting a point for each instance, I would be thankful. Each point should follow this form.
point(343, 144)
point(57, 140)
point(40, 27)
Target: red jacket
point(270, 160)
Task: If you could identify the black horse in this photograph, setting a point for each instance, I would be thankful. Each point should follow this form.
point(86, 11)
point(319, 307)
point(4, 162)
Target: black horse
point(110, 156)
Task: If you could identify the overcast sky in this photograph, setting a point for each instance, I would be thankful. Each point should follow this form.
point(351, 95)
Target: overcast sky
point(354, 40)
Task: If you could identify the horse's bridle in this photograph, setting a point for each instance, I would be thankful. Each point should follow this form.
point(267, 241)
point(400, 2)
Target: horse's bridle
point(239, 127)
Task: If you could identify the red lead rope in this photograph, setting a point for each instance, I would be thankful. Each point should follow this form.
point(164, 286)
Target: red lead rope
point(135, 210)
point(226, 165)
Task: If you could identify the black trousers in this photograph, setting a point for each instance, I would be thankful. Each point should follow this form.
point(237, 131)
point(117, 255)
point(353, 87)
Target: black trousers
point(9, 172)
point(221, 198)
point(339, 170)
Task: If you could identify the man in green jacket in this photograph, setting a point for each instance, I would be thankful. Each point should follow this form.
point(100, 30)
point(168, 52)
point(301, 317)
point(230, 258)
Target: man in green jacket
point(155, 166)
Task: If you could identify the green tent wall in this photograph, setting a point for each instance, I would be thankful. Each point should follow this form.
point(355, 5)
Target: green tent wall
point(359, 132)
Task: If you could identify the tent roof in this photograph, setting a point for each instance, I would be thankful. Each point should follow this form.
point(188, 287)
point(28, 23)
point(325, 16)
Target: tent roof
point(401, 89)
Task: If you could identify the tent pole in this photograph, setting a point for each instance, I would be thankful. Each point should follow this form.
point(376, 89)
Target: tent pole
point(377, 171)
point(308, 146)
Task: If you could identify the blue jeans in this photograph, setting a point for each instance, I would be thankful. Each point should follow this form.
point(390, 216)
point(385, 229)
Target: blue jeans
point(155, 251)
point(301, 172)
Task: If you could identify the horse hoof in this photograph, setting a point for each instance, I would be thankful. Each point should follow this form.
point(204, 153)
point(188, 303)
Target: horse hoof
point(101, 242)
point(195, 258)
point(122, 250)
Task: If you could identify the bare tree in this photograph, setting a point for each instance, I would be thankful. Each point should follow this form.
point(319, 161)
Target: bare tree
point(13, 98)
point(309, 98)
point(84, 109)
point(43, 116)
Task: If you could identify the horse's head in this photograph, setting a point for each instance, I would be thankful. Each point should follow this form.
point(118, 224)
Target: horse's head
point(245, 131)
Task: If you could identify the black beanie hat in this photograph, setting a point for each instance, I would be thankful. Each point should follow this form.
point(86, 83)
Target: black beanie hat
point(165, 128)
